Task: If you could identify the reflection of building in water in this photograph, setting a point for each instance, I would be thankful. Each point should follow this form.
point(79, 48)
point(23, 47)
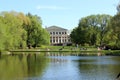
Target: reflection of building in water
point(58, 35)
point(99, 54)
point(56, 54)
point(58, 60)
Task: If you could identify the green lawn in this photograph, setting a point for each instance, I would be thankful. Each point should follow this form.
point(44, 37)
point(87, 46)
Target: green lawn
point(59, 48)
point(91, 50)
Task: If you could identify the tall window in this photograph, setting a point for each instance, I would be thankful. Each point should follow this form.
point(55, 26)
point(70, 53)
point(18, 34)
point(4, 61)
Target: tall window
point(53, 33)
point(54, 41)
point(65, 33)
point(65, 40)
point(59, 32)
point(50, 32)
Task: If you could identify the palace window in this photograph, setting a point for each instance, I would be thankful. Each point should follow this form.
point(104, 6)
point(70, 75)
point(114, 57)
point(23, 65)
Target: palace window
point(54, 41)
point(53, 33)
point(65, 33)
point(50, 32)
point(59, 32)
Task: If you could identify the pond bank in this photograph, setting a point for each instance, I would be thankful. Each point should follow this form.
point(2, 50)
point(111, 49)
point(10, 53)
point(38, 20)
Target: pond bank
point(73, 52)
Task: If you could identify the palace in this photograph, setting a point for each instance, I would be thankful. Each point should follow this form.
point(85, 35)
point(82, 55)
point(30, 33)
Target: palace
point(58, 35)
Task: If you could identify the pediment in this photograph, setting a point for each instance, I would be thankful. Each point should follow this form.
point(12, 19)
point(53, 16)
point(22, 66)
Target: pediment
point(55, 28)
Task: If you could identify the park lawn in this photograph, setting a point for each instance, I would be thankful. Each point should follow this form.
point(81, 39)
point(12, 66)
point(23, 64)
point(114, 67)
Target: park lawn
point(90, 50)
point(59, 48)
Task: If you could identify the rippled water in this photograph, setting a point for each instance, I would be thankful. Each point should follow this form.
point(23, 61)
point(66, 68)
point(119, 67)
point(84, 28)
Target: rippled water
point(37, 67)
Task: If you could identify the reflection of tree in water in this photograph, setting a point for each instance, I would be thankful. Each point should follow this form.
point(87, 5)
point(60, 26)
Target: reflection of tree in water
point(21, 66)
point(0, 54)
point(97, 68)
point(35, 64)
point(20, 56)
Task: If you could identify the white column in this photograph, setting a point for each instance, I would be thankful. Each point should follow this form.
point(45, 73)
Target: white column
point(52, 39)
point(55, 39)
point(66, 38)
point(61, 40)
point(58, 39)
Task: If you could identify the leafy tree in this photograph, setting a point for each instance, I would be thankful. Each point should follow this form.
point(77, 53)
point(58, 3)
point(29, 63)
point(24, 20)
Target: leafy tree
point(18, 31)
point(73, 36)
point(45, 37)
point(35, 33)
point(114, 27)
point(103, 22)
point(91, 30)
point(88, 24)
point(2, 34)
point(13, 30)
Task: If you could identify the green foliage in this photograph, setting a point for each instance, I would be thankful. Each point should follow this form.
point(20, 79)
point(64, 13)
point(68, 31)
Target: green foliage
point(91, 30)
point(19, 31)
point(98, 30)
point(45, 37)
point(37, 36)
point(22, 66)
point(114, 28)
point(11, 31)
point(2, 36)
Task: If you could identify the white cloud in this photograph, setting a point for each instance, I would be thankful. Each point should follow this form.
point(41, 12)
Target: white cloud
point(50, 8)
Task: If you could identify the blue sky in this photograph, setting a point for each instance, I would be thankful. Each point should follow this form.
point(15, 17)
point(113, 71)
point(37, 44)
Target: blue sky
point(63, 13)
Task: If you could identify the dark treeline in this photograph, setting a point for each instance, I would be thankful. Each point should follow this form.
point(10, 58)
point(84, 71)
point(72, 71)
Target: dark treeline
point(98, 30)
point(18, 30)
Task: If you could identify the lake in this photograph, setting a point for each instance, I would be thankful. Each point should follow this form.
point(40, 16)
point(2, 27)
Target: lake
point(36, 66)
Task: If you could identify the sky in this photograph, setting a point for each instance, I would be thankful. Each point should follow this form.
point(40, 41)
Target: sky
point(62, 13)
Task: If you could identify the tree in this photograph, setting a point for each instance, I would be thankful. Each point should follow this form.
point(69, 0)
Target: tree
point(114, 27)
point(18, 31)
point(103, 22)
point(36, 35)
point(91, 30)
point(89, 25)
point(12, 30)
point(2, 34)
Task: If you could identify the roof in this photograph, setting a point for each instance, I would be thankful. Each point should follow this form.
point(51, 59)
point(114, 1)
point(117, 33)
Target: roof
point(55, 28)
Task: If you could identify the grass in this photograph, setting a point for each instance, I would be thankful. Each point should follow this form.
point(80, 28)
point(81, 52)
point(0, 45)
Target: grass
point(70, 49)
point(57, 48)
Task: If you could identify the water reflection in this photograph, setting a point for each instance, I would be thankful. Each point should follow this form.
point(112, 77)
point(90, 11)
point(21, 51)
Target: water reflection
point(58, 66)
point(21, 66)
point(74, 54)
point(100, 68)
point(57, 60)
point(56, 54)
point(82, 68)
